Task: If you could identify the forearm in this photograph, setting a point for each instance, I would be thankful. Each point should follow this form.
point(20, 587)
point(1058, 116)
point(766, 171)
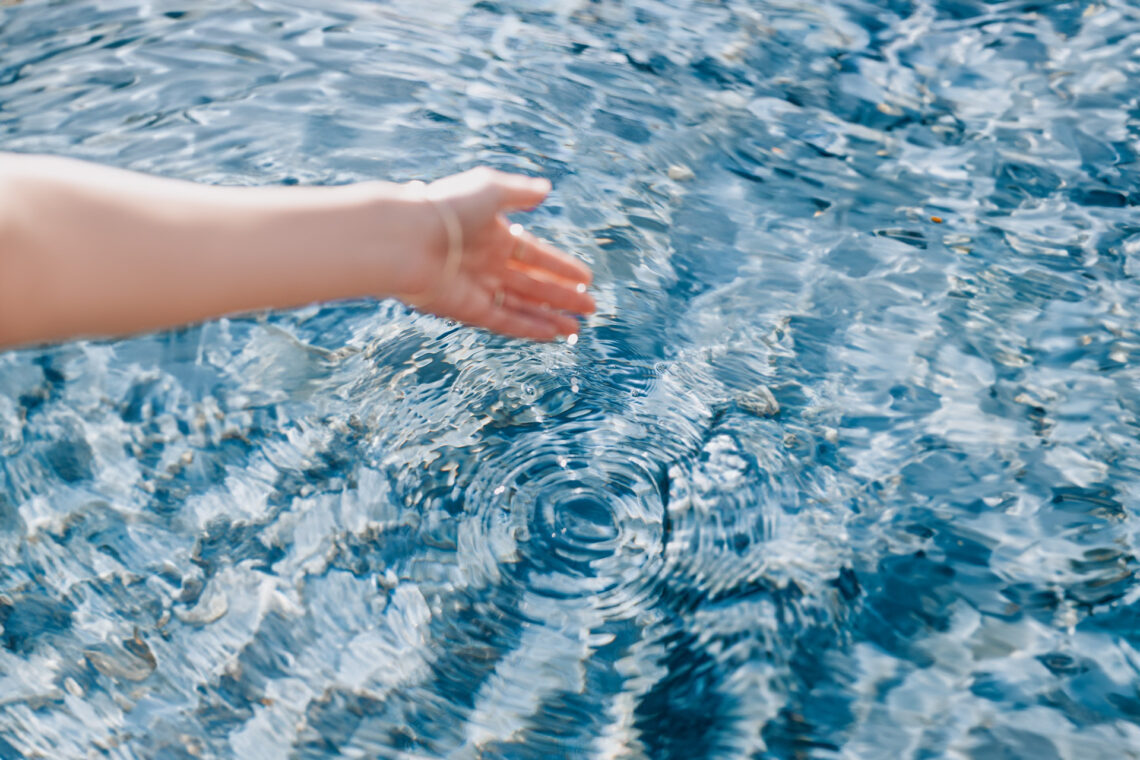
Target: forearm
point(88, 250)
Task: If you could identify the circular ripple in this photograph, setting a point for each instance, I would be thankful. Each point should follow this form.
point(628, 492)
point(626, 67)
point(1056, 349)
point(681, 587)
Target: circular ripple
point(572, 513)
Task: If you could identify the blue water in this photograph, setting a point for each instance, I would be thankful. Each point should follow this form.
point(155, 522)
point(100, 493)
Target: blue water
point(846, 466)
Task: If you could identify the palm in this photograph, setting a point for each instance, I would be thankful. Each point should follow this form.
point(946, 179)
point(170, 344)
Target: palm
point(512, 284)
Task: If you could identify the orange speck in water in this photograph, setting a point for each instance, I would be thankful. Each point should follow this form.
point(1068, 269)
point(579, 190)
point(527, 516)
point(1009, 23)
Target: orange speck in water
point(936, 219)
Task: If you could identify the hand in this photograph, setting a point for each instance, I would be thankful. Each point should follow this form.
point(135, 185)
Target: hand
point(514, 284)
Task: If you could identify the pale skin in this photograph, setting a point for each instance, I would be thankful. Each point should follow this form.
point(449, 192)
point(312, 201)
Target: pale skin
point(91, 251)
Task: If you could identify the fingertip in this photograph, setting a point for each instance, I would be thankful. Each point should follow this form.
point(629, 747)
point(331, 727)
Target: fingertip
point(586, 303)
point(567, 325)
point(522, 193)
point(545, 334)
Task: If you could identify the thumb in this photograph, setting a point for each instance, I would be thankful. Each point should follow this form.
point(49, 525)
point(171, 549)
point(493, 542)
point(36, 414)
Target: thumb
point(520, 193)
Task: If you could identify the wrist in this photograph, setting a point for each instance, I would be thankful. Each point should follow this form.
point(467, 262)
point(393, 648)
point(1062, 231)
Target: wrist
point(408, 242)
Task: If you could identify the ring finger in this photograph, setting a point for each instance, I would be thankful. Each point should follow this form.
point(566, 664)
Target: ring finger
point(523, 318)
point(528, 251)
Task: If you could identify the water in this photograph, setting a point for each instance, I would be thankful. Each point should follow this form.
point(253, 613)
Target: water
point(846, 465)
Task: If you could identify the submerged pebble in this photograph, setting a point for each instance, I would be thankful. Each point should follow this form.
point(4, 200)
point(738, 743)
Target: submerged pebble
point(759, 401)
point(130, 659)
point(211, 606)
point(680, 173)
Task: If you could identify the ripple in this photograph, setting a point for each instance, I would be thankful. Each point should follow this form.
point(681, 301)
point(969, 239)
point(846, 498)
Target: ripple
point(573, 512)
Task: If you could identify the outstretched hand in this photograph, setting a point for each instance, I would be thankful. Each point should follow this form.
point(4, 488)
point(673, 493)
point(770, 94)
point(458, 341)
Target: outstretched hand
point(483, 271)
point(88, 250)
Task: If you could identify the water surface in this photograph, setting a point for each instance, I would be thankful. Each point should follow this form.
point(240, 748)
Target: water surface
point(846, 466)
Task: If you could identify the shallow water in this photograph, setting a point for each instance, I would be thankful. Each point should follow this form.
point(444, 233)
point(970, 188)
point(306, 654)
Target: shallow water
point(846, 466)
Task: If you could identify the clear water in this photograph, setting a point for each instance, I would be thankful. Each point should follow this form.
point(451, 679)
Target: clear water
point(352, 531)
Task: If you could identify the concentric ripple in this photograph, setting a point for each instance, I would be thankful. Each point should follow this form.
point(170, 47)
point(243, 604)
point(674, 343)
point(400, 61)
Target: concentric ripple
point(571, 512)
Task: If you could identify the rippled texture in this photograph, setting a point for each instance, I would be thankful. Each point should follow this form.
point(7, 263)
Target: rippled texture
point(845, 466)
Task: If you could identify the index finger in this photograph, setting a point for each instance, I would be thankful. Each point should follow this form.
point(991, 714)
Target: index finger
point(533, 253)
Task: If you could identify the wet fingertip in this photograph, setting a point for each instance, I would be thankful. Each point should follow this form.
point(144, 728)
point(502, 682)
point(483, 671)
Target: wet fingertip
point(546, 331)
